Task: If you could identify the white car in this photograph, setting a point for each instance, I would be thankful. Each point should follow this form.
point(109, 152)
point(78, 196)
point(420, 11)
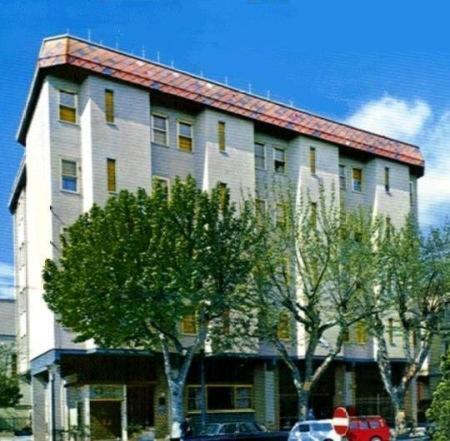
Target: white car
point(316, 430)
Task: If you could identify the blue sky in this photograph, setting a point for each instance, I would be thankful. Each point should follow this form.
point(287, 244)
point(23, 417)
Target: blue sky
point(384, 66)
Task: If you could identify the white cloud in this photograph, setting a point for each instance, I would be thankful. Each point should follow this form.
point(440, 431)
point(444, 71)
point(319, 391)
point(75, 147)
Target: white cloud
point(6, 280)
point(414, 122)
point(392, 117)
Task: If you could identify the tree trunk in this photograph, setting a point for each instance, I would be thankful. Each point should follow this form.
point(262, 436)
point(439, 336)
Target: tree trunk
point(302, 402)
point(176, 409)
point(398, 400)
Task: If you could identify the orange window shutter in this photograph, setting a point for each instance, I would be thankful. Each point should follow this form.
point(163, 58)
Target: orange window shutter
point(111, 169)
point(67, 114)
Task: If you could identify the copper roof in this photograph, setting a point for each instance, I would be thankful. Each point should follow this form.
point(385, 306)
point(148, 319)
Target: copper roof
point(67, 50)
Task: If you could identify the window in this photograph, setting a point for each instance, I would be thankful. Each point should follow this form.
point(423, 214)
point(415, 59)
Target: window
point(194, 398)
point(284, 326)
point(342, 177)
point(279, 160)
point(189, 325)
point(229, 397)
point(411, 193)
point(361, 333)
point(221, 135)
point(314, 214)
point(260, 156)
point(357, 180)
point(386, 179)
point(164, 183)
point(111, 174)
point(391, 331)
point(261, 206)
point(109, 106)
point(312, 160)
point(67, 106)
point(160, 130)
point(185, 136)
point(69, 175)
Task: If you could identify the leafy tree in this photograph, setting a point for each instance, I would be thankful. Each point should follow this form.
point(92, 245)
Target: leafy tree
point(412, 290)
point(316, 264)
point(439, 412)
point(9, 381)
point(130, 272)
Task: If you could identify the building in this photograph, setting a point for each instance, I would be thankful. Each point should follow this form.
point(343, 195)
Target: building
point(98, 120)
point(17, 417)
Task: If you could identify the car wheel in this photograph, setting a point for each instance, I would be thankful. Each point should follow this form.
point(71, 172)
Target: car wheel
point(376, 438)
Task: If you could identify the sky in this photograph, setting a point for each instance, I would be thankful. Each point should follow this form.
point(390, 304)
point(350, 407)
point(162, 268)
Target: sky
point(383, 66)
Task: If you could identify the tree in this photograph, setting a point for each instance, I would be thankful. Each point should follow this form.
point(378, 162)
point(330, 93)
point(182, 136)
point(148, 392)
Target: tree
point(130, 272)
point(439, 412)
point(316, 263)
point(412, 290)
point(9, 381)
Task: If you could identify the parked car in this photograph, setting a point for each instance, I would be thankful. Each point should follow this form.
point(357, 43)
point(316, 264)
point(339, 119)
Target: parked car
point(238, 431)
point(318, 430)
point(368, 428)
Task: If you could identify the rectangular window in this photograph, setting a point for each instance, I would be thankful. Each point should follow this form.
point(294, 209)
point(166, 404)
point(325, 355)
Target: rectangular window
point(391, 331)
point(260, 156)
point(160, 130)
point(387, 186)
point(361, 333)
point(220, 398)
point(164, 183)
point(69, 175)
point(411, 193)
point(342, 177)
point(185, 136)
point(284, 326)
point(357, 180)
point(221, 135)
point(109, 106)
point(279, 160)
point(111, 174)
point(312, 160)
point(194, 398)
point(189, 325)
point(67, 106)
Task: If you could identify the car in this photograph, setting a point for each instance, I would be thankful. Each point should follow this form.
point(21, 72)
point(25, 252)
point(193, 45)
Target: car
point(238, 431)
point(314, 430)
point(368, 428)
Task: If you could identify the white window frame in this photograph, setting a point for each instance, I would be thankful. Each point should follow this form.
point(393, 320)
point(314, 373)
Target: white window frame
point(353, 180)
point(77, 169)
point(275, 148)
point(72, 92)
point(190, 123)
point(343, 167)
point(160, 115)
point(163, 178)
point(265, 155)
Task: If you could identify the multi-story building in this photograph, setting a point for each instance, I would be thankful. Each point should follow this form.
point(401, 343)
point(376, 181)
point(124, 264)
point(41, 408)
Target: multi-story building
point(97, 121)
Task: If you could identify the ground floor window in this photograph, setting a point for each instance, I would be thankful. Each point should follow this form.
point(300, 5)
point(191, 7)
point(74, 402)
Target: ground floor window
point(221, 397)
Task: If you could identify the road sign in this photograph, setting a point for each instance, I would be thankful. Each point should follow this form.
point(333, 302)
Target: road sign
point(341, 421)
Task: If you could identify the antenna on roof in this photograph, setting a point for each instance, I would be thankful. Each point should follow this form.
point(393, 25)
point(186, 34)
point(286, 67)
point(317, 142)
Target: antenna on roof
point(117, 43)
point(249, 87)
point(101, 42)
point(89, 35)
point(268, 94)
point(172, 63)
point(226, 81)
point(67, 31)
point(143, 51)
point(158, 57)
point(291, 103)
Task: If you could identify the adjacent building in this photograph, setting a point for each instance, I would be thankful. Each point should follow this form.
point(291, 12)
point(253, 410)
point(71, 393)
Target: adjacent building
point(98, 120)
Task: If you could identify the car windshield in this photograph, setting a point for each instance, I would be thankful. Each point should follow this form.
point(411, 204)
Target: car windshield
point(321, 427)
point(212, 429)
point(303, 428)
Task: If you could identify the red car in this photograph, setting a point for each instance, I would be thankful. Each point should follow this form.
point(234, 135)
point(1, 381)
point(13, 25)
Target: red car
point(368, 428)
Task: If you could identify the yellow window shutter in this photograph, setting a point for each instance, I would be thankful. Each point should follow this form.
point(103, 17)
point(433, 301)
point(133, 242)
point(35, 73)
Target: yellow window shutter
point(111, 170)
point(109, 106)
point(221, 132)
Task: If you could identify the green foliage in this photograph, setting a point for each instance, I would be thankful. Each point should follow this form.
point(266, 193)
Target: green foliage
point(9, 381)
point(130, 271)
point(439, 412)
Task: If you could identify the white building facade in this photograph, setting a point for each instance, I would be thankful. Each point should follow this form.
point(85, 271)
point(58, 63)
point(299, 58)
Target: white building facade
point(98, 121)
